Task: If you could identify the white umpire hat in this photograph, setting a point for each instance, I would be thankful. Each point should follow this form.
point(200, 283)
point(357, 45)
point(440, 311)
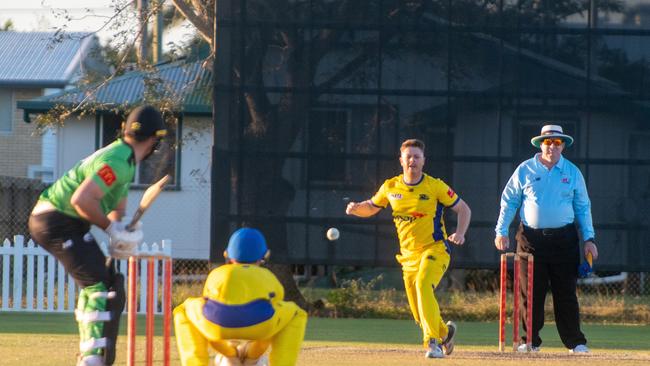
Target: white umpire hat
point(550, 132)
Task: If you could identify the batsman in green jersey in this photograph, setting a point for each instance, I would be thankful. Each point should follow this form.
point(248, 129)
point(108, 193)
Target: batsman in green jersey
point(94, 192)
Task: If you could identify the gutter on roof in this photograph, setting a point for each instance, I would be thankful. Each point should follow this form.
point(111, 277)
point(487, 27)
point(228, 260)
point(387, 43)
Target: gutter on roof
point(58, 84)
point(39, 106)
point(35, 105)
point(26, 117)
point(29, 107)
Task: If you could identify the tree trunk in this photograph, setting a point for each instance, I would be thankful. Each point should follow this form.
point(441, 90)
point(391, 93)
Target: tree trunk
point(291, 291)
point(265, 197)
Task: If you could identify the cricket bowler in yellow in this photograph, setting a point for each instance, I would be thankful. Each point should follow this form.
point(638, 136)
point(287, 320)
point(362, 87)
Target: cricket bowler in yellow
point(241, 313)
point(418, 202)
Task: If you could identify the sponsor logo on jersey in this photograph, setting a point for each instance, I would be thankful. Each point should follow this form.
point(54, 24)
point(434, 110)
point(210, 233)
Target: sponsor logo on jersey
point(565, 180)
point(397, 196)
point(424, 197)
point(450, 193)
point(403, 218)
point(107, 175)
point(409, 218)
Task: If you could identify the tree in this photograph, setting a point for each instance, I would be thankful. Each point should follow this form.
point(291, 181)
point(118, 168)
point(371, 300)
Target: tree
point(274, 120)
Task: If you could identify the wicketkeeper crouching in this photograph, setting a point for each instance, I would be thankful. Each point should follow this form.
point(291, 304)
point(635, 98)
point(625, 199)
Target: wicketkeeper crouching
point(241, 313)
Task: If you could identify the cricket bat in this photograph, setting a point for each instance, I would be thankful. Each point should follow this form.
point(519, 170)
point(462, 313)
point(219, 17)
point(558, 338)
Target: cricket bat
point(148, 197)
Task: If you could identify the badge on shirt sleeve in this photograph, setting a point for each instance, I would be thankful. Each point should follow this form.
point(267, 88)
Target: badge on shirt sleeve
point(450, 193)
point(107, 175)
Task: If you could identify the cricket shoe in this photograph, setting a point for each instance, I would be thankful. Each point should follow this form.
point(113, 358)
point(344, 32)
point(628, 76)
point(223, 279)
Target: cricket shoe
point(523, 348)
point(91, 360)
point(221, 360)
point(262, 361)
point(434, 351)
point(448, 342)
point(580, 349)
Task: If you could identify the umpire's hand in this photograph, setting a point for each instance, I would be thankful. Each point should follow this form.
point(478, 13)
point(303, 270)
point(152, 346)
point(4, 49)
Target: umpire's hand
point(501, 242)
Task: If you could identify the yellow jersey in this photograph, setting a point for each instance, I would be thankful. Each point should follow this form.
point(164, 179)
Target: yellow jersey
point(236, 296)
point(417, 212)
point(237, 284)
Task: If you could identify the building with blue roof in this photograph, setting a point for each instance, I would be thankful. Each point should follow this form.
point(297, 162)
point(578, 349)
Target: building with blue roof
point(33, 64)
point(184, 87)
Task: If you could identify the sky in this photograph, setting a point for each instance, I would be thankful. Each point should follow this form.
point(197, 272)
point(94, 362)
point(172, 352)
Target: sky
point(40, 15)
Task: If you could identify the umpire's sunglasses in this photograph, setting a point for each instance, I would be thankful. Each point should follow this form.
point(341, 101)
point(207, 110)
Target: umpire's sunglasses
point(549, 142)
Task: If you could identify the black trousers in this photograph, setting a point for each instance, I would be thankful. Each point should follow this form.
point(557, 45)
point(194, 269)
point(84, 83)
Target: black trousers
point(556, 256)
point(68, 239)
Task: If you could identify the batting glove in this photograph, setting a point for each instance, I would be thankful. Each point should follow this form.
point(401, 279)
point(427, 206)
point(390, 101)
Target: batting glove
point(123, 243)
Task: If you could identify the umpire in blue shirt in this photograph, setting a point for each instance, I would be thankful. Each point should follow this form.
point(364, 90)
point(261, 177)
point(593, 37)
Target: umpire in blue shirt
point(551, 194)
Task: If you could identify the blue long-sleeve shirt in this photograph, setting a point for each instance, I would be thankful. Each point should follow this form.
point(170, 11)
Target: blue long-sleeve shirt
point(548, 198)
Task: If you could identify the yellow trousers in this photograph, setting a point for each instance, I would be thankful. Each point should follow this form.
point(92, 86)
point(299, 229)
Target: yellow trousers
point(420, 280)
point(284, 332)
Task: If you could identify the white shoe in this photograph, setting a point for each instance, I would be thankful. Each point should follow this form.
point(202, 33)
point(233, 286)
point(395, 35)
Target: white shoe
point(262, 361)
point(92, 360)
point(221, 360)
point(580, 349)
point(448, 342)
point(434, 351)
point(523, 348)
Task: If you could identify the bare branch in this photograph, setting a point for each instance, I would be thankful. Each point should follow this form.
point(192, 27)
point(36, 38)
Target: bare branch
point(350, 67)
point(202, 23)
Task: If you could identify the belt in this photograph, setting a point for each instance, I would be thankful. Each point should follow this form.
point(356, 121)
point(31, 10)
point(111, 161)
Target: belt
point(549, 231)
point(43, 207)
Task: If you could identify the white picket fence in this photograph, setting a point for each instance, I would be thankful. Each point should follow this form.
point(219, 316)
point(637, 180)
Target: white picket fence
point(33, 280)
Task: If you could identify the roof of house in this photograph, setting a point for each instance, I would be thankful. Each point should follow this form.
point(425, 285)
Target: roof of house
point(42, 59)
point(185, 83)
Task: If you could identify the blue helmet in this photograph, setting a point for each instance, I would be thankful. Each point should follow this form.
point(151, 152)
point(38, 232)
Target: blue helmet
point(246, 245)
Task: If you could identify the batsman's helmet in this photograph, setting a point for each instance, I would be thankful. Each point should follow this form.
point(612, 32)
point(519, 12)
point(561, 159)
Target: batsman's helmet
point(246, 245)
point(144, 122)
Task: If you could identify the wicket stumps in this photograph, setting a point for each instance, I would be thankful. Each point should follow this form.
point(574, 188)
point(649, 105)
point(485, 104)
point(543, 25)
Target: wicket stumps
point(515, 306)
point(151, 258)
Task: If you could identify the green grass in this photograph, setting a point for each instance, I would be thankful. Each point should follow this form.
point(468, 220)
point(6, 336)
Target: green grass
point(51, 339)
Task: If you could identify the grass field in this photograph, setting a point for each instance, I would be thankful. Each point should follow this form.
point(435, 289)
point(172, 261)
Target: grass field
point(51, 339)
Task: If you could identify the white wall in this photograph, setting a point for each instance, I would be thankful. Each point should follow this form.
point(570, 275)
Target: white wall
point(182, 216)
point(74, 142)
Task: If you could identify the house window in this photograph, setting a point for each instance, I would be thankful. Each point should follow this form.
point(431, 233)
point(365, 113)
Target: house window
point(328, 140)
point(6, 111)
point(164, 161)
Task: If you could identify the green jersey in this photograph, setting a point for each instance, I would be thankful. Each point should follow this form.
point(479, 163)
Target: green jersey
point(111, 167)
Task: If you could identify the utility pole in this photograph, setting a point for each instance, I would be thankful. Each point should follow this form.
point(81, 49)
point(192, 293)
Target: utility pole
point(143, 50)
point(157, 31)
